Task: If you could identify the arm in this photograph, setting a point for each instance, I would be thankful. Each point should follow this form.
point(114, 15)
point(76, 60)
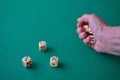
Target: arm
point(107, 37)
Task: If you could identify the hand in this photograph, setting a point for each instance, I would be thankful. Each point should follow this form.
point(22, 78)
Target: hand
point(99, 29)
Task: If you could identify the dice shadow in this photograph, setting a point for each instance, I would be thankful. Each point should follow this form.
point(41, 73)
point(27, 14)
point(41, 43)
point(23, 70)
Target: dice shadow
point(62, 65)
point(34, 66)
point(49, 49)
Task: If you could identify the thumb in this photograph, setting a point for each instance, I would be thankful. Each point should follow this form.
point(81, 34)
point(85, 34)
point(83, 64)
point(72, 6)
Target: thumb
point(96, 25)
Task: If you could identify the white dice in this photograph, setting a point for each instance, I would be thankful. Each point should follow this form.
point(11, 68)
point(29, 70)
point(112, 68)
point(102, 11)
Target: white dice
point(87, 29)
point(42, 45)
point(54, 61)
point(92, 41)
point(27, 61)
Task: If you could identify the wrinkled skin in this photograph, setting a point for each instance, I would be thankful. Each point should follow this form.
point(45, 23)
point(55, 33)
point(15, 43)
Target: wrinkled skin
point(107, 37)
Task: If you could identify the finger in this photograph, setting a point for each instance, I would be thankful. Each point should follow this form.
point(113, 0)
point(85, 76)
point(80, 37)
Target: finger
point(91, 44)
point(79, 30)
point(87, 40)
point(82, 20)
point(80, 24)
point(83, 35)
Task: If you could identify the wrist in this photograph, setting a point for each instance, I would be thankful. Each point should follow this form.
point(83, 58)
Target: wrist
point(112, 40)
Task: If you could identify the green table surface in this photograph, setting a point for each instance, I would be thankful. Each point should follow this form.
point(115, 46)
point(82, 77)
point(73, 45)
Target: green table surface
point(23, 23)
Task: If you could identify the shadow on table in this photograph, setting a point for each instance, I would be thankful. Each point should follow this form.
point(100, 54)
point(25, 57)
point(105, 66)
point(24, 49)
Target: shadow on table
point(49, 49)
point(111, 57)
point(62, 65)
point(34, 66)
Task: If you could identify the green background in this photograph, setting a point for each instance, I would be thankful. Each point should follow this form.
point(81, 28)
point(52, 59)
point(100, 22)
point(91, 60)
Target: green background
point(23, 23)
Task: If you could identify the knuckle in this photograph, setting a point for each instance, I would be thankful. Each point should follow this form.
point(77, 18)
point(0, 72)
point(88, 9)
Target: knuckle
point(93, 14)
point(85, 15)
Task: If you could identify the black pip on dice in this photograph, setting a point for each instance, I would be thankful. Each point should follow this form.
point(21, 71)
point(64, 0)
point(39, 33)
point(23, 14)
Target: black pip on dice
point(54, 61)
point(27, 61)
point(92, 41)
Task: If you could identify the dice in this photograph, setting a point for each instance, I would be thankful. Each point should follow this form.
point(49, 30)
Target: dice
point(42, 45)
point(54, 61)
point(92, 41)
point(87, 29)
point(27, 61)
